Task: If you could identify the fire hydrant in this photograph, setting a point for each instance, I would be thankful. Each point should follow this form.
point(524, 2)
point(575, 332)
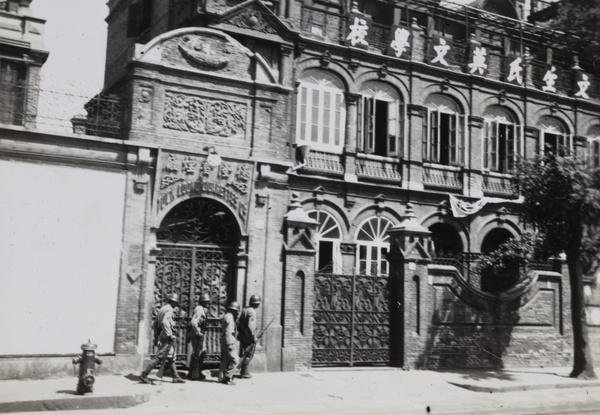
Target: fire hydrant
point(87, 367)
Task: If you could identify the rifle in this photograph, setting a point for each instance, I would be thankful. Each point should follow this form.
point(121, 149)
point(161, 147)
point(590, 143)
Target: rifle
point(252, 347)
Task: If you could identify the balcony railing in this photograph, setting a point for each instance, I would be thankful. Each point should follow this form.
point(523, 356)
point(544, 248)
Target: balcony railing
point(499, 185)
point(443, 177)
point(324, 163)
point(378, 169)
point(55, 110)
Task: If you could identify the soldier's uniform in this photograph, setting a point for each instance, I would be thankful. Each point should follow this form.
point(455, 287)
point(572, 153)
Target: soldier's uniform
point(196, 334)
point(229, 359)
point(164, 337)
point(247, 335)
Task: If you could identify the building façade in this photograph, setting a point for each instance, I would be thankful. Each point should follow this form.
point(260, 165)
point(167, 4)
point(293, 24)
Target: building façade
point(346, 162)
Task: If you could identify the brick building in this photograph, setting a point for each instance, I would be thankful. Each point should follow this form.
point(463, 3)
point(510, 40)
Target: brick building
point(346, 162)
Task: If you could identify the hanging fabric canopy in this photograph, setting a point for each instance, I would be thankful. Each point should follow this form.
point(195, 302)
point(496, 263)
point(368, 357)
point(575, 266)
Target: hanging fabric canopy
point(463, 208)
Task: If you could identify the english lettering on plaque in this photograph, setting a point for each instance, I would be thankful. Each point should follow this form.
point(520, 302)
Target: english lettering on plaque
point(184, 175)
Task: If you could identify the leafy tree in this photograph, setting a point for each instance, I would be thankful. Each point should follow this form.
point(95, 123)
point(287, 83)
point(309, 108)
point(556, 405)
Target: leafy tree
point(580, 21)
point(562, 203)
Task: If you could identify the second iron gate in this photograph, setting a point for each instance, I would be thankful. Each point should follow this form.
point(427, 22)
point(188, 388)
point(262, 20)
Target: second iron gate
point(351, 320)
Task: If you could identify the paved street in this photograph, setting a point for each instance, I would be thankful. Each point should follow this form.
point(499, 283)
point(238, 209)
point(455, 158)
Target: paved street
point(367, 391)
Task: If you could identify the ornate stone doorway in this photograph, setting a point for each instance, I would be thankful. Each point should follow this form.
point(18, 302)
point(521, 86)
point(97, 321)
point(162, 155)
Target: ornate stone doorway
point(198, 241)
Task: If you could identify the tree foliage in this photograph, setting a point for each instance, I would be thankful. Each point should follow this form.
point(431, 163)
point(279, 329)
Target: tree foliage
point(580, 21)
point(562, 203)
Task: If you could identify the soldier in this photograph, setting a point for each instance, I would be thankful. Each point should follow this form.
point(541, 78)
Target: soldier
point(229, 359)
point(247, 335)
point(164, 338)
point(196, 333)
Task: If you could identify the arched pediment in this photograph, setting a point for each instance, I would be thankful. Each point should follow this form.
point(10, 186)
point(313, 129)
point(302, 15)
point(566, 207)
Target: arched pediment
point(199, 49)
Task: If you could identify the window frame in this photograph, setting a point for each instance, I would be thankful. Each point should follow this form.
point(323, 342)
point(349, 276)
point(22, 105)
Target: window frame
point(566, 137)
point(336, 254)
point(486, 148)
point(432, 136)
point(368, 127)
point(378, 245)
point(306, 110)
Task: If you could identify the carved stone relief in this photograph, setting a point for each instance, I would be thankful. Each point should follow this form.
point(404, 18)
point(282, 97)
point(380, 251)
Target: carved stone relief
point(207, 116)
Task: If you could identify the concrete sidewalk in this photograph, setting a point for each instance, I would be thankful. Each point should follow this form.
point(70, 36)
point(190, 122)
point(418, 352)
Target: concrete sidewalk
point(364, 390)
point(60, 394)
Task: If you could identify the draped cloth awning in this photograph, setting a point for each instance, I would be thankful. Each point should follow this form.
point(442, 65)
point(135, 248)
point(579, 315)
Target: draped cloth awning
point(462, 208)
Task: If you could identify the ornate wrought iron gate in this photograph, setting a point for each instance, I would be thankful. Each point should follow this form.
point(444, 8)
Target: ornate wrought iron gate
point(190, 271)
point(351, 320)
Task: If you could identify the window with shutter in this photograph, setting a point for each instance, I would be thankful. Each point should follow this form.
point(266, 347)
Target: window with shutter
point(381, 122)
point(321, 115)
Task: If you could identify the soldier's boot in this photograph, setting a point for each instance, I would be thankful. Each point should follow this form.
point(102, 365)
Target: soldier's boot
point(193, 373)
point(244, 374)
point(227, 381)
point(175, 373)
point(144, 376)
point(200, 364)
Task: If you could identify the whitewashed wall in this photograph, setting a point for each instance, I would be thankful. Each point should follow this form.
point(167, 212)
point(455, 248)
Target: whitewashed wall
point(60, 245)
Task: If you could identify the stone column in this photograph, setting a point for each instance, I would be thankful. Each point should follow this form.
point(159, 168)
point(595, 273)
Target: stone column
point(412, 297)
point(472, 182)
point(351, 138)
point(298, 287)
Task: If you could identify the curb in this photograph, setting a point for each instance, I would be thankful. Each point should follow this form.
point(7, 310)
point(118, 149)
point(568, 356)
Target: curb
point(525, 387)
point(79, 403)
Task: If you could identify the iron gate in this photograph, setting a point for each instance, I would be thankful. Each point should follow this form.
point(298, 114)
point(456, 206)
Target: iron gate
point(190, 271)
point(351, 320)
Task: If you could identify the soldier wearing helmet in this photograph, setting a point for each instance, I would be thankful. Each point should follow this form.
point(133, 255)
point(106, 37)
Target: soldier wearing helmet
point(164, 339)
point(196, 334)
point(229, 359)
point(247, 335)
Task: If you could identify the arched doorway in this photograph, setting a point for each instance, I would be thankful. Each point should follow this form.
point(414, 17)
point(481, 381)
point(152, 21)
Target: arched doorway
point(446, 240)
point(490, 281)
point(198, 243)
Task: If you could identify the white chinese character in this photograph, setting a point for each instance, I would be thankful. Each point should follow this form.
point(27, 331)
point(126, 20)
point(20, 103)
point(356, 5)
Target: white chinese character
point(478, 63)
point(515, 71)
point(399, 44)
point(583, 85)
point(358, 32)
point(441, 51)
point(550, 80)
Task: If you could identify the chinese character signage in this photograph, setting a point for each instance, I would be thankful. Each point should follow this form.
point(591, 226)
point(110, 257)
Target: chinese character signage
point(582, 85)
point(478, 64)
point(516, 70)
point(358, 30)
point(399, 46)
point(440, 52)
point(181, 176)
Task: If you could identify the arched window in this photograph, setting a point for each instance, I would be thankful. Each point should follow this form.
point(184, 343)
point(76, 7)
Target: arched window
point(381, 123)
point(372, 246)
point(327, 238)
point(502, 140)
point(446, 241)
point(443, 131)
point(593, 146)
point(554, 136)
point(496, 281)
point(321, 112)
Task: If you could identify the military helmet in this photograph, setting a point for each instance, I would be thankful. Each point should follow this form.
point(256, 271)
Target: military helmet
point(204, 298)
point(255, 299)
point(174, 297)
point(234, 305)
